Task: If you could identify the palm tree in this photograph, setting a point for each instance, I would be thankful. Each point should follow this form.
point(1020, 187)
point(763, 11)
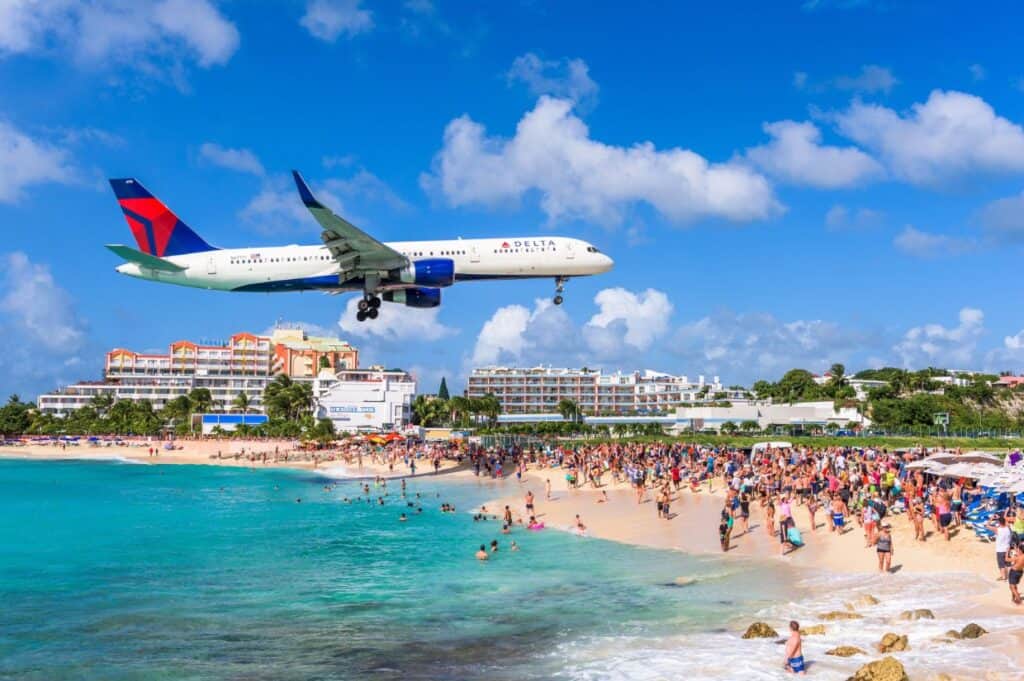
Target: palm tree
point(101, 402)
point(569, 410)
point(201, 400)
point(242, 402)
point(838, 373)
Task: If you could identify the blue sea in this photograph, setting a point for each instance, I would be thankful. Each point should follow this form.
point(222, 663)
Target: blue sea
point(120, 571)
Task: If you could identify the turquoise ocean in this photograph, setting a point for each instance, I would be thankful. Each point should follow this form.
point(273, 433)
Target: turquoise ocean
point(122, 571)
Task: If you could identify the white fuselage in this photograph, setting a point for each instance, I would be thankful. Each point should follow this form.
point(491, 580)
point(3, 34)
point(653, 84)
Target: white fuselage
point(297, 268)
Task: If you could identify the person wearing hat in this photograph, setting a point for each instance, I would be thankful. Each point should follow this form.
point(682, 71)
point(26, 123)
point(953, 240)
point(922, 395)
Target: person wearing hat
point(883, 546)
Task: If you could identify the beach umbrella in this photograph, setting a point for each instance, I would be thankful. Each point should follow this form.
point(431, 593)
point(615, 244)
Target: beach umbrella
point(920, 464)
point(960, 470)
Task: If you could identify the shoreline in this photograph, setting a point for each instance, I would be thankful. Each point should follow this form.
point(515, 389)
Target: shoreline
point(825, 559)
point(204, 453)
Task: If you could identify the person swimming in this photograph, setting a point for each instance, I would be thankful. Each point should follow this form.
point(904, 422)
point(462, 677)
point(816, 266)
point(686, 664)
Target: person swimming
point(402, 518)
point(482, 553)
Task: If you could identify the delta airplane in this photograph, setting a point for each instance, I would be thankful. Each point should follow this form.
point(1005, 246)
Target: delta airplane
point(410, 273)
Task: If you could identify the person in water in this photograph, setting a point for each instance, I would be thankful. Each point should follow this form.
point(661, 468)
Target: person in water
point(515, 546)
point(795, 650)
point(1015, 573)
point(402, 518)
point(494, 546)
point(883, 546)
point(482, 553)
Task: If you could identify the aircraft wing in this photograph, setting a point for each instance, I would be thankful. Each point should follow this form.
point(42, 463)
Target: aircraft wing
point(356, 251)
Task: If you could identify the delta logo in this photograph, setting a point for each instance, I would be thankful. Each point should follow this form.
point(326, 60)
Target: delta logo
point(529, 243)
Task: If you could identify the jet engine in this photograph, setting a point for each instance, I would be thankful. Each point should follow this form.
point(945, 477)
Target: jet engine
point(414, 297)
point(433, 272)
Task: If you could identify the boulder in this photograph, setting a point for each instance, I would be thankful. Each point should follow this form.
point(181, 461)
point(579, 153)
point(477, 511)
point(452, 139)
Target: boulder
point(862, 602)
point(953, 633)
point(972, 630)
point(886, 669)
point(760, 630)
point(892, 643)
point(684, 581)
point(920, 614)
point(846, 651)
point(840, 615)
point(813, 630)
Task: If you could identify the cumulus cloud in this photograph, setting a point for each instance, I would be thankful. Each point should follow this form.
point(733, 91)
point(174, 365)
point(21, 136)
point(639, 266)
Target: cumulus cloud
point(922, 244)
point(101, 31)
point(240, 160)
point(577, 177)
point(625, 318)
point(396, 324)
point(25, 161)
point(939, 346)
point(564, 78)
point(1003, 219)
point(327, 20)
point(624, 323)
point(758, 345)
point(839, 217)
point(1008, 356)
point(950, 135)
point(796, 155)
point(39, 308)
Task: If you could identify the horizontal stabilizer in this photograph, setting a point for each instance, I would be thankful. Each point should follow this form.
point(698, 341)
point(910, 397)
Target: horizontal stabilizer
point(144, 259)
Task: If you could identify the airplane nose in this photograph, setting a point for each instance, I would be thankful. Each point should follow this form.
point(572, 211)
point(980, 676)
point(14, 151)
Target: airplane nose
point(606, 263)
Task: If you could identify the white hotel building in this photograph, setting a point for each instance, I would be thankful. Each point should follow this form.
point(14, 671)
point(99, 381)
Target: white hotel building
point(540, 389)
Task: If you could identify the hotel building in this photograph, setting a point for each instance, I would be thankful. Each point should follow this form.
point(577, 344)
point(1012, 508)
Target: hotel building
point(539, 390)
point(245, 363)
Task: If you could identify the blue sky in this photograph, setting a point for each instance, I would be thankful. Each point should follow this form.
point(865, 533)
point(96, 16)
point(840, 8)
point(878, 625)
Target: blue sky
point(780, 184)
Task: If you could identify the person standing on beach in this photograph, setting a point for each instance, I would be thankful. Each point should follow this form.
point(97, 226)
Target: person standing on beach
point(1015, 573)
point(884, 548)
point(547, 488)
point(529, 503)
point(1003, 540)
point(795, 650)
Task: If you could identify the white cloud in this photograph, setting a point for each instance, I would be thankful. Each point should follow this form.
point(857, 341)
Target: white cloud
point(396, 323)
point(368, 186)
point(795, 155)
point(25, 161)
point(978, 72)
point(872, 78)
point(921, 244)
point(100, 31)
point(36, 308)
point(800, 80)
point(950, 135)
point(627, 318)
point(563, 78)
point(1003, 219)
point(518, 335)
point(840, 217)
point(938, 346)
point(240, 160)
point(329, 19)
point(752, 346)
point(624, 323)
point(578, 177)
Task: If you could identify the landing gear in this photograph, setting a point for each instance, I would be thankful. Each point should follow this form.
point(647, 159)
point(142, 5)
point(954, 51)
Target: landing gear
point(559, 289)
point(369, 307)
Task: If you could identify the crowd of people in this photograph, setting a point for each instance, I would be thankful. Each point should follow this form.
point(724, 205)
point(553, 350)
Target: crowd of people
point(847, 486)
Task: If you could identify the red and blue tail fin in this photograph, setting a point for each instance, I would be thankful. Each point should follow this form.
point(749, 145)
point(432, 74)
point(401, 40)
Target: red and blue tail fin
point(157, 230)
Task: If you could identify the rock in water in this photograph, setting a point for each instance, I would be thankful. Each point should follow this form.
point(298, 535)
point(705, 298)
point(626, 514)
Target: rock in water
point(972, 630)
point(892, 643)
point(813, 630)
point(840, 615)
point(862, 602)
point(953, 633)
point(886, 669)
point(760, 630)
point(684, 581)
point(920, 614)
point(846, 651)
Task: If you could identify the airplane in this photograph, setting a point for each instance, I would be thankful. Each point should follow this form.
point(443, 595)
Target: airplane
point(410, 273)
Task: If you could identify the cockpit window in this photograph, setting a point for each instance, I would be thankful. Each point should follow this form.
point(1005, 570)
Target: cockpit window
point(591, 249)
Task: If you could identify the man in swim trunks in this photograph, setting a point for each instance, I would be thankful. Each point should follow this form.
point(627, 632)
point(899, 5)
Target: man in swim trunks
point(839, 510)
point(482, 553)
point(529, 502)
point(795, 650)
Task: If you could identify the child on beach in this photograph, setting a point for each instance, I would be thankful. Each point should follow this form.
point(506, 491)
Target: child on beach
point(794, 650)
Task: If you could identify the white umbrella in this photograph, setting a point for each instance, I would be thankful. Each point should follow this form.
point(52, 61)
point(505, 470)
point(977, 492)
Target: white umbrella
point(960, 470)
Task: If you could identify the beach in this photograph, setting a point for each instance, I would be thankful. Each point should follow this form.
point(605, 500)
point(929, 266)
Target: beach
point(955, 580)
point(753, 581)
